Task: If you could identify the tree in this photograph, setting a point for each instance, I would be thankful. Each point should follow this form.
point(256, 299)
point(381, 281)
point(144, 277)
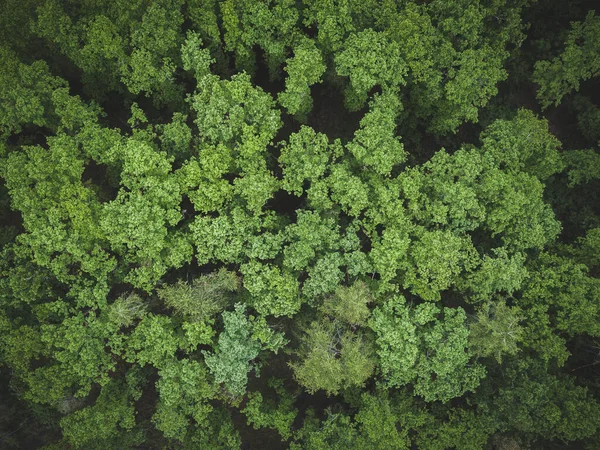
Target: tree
point(541, 404)
point(203, 298)
point(304, 70)
point(336, 432)
point(218, 433)
point(221, 118)
point(309, 237)
point(378, 424)
point(333, 357)
point(25, 96)
point(261, 412)
point(136, 221)
point(125, 310)
point(349, 304)
point(273, 292)
point(375, 144)
point(523, 144)
point(481, 68)
point(271, 25)
point(184, 392)
point(332, 21)
point(236, 348)
point(204, 16)
point(496, 331)
point(176, 137)
point(109, 421)
point(587, 117)
point(195, 58)
point(152, 342)
point(369, 59)
point(223, 238)
point(578, 62)
point(569, 294)
point(500, 273)
point(434, 263)
point(304, 158)
point(62, 216)
point(415, 346)
point(583, 166)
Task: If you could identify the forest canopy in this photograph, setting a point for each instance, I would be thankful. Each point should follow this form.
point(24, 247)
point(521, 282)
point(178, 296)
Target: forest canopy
point(313, 224)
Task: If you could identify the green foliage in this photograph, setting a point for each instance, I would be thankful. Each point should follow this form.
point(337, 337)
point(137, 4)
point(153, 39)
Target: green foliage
point(304, 70)
point(496, 331)
point(270, 25)
point(309, 237)
point(375, 144)
point(136, 221)
point(183, 393)
point(577, 62)
point(332, 21)
point(369, 59)
point(454, 55)
point(501, 273)
point(219, 433)
point(263, 413)
point(201, 179)
point(78, 345)
point(155, 44)
point(566, 292)
point(537, 403)
point(583, 166)
point(335, 432)
point(203, 15)
point(152, 341)
point(20, 347)
point(182, 206)
point(110, 421)
point(333, 358)
point(324, 276)
point(588, 117)
point(223, 238)
point(303, 158)
point(415, 346)
point(473, 81)
point(230, 363)
point(124, 311)
point(194, 57)
point(176, 136)
point(25, 94)
point(587, 249)
point(272, 291)
point(464, 429)
point(435, 261)
point(349, 304)
point(431, 200)
point(203, 298)
point(384, 421)
point(378, 426)
point(348, 190)
point(491, 198)
point(523, 144)
point(225, 107)
point(61, 214)
point(267, 336)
